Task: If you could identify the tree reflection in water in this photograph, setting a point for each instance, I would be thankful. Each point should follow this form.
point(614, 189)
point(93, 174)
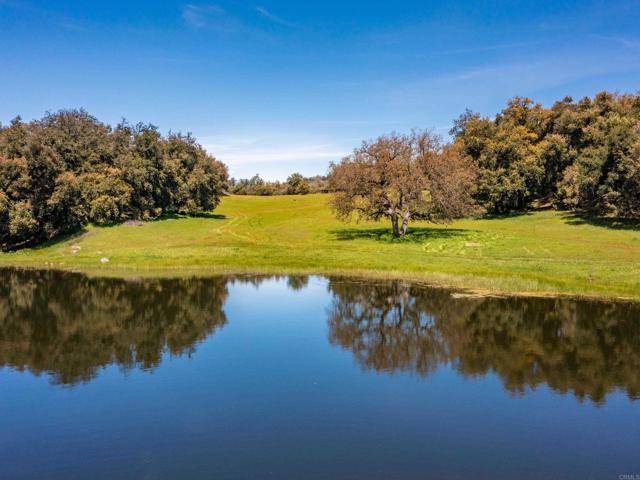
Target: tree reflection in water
point(583, 347)
point(69, 325)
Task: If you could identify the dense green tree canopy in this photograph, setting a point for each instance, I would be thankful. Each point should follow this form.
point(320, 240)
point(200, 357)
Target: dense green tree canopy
point(583, 155)
point(68, 169)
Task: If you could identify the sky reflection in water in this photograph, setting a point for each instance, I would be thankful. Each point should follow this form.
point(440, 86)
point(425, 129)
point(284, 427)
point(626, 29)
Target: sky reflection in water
point(298, 377)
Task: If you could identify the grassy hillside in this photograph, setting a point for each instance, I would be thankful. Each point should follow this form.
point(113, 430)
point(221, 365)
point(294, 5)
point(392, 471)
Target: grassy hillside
point(543, 252)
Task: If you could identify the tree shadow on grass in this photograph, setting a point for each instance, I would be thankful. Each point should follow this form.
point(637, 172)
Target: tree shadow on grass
point(604, 222)
point(84, 232)
point(505, 216)
point(413, 235)
point(177, 216)
point(59, 239)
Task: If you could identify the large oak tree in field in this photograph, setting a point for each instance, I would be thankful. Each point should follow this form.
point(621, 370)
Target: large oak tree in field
point(403, 178)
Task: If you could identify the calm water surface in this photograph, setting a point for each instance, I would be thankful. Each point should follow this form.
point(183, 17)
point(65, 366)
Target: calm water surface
point(296, 377)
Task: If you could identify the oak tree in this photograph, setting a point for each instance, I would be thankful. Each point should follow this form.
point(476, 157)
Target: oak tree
point(403, 178)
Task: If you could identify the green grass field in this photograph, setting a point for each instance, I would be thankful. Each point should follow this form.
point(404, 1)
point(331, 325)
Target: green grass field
point(539, 253)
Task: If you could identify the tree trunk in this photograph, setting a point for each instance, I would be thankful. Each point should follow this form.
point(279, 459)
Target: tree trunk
point(394, 223)
point(405, 224)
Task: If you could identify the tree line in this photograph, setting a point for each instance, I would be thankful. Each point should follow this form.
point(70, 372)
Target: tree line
point(296, 184)
point(582, 155)
point(67, 169)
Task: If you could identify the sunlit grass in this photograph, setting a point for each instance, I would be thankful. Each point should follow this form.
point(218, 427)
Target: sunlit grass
point(541, 253)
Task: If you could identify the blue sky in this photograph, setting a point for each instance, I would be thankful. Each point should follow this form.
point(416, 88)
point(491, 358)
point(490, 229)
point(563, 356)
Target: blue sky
point(277, 86)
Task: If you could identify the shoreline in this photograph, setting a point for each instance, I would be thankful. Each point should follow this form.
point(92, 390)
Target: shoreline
point(541, 254)
point(459, 286)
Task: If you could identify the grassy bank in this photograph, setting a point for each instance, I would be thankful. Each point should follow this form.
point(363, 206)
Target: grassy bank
point(539, 253)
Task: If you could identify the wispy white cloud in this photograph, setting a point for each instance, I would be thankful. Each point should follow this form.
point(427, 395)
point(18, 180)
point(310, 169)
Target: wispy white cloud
point(526, 77)
point(487, 48)
point(633, 43)
point(274, 156)
point(245, 21)
point(196, 15)
point(274, 18)
point(212, 17)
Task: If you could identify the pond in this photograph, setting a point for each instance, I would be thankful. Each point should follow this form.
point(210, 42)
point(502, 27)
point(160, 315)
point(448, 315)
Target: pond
point(310, 377)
